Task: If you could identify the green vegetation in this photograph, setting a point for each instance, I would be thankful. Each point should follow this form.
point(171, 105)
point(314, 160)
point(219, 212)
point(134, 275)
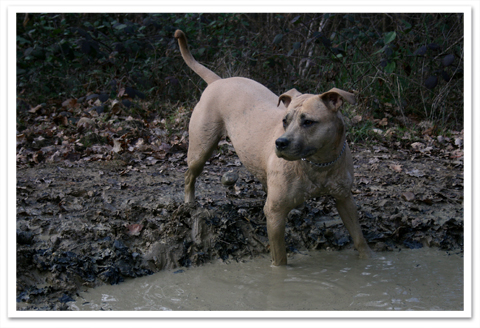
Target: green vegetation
point(404, 67)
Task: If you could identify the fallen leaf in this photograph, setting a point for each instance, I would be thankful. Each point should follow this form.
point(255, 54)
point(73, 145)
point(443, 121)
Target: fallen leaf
point(85, 123)
point(356, 119)
point(70, 103)
point(383, 122)
point(35, 109)
point(164, 147)
point(429, 131)
point(56, 157)
point(121, 92)
point(124, 171)
point(415, 173)
point(364, 181)
point(134, 229)
point(390, 132)
point(456, 153)
point(151, 160)
point(61, 120)
point(459, 142)
point(417, 146)
point(379, 149)
point(385, 203)
point(416, 222)
point(117, 146)
point(407, 136)
point(115, 107)
point(38, 156)
point(396, 168)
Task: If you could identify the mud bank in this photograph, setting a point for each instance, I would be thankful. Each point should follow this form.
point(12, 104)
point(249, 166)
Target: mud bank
point(85, 224)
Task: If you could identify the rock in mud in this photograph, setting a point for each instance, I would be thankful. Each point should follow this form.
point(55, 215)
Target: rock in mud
point(229, 178)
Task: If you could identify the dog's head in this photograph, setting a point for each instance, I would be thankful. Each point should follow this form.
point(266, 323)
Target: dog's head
point(312, 123)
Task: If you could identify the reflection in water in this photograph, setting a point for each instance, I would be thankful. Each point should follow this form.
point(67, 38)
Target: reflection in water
point(423, 279)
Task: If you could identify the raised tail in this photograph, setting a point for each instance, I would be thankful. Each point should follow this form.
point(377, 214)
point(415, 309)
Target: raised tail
point(198, 68)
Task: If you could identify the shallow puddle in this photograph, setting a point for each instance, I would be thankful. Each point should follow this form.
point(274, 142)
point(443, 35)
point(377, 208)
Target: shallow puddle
point(420, 280)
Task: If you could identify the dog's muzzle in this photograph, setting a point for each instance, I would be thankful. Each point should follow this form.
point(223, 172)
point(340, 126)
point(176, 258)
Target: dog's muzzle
point(291, 149)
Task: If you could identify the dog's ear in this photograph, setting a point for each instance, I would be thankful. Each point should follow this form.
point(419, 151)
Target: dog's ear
point(333, 99)
point(287, 97)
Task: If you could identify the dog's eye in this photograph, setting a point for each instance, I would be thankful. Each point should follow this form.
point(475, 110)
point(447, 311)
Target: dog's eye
point(284, 121)
point(307, 123)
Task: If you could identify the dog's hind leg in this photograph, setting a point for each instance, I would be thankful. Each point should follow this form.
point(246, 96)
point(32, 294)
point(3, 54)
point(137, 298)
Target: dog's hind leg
point(204, 139)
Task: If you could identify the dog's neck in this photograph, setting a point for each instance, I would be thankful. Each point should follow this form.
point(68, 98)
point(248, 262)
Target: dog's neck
point(328, 163)
point(324, 160)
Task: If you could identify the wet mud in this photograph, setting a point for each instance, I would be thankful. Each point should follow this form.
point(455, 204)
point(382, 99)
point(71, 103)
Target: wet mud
point(88, 223)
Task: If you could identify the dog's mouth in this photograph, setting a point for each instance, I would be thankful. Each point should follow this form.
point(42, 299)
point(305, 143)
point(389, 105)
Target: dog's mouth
point(285, 156)
point(291, 151)
point(289, 156)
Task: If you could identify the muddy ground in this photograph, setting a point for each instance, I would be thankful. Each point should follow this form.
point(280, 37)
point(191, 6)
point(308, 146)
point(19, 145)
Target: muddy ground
point(85, 223)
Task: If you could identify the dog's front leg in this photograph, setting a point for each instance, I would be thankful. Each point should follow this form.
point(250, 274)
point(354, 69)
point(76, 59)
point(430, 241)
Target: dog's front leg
point(348, 212)
point(276, 217)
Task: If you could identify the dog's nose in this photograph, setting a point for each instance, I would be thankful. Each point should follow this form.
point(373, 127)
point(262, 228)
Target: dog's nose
point(282, 143)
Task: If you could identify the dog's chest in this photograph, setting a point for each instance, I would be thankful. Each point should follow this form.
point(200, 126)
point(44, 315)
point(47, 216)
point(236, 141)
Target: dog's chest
point(336, 184)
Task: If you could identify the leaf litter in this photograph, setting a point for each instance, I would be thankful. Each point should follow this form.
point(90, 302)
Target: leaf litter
point(100, 200)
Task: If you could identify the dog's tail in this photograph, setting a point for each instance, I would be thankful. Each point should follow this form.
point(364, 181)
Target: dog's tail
point(198, 68)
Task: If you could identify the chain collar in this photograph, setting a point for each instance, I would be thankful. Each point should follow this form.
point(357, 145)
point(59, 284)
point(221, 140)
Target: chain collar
point(329, 163)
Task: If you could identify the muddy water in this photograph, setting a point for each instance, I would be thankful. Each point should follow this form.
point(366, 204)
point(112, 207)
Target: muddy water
point(422, 279)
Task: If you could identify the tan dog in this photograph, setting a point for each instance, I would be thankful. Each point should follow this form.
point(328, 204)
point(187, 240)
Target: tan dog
point(305, 157)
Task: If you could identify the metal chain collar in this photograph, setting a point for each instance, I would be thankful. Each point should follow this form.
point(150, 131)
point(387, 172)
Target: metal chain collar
point(329, 163)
